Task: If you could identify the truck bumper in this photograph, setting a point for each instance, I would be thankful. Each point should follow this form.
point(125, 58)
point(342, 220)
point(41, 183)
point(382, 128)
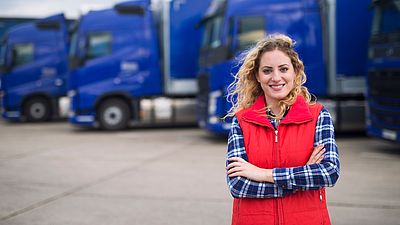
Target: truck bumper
point(216, 125)
point(82, 120)
point(11, 115)
point(386, 134)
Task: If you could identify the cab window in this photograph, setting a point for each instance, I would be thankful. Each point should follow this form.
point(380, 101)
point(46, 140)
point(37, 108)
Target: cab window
point(22, 54)
point(250, 30)
point(99, 44)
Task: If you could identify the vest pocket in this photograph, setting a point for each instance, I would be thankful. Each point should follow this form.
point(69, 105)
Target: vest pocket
point(249, 206)
point(303, 207)
point(254, 212)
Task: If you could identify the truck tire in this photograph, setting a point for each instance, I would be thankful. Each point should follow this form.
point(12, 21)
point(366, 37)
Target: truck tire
point(37, 110)
point(113, 114)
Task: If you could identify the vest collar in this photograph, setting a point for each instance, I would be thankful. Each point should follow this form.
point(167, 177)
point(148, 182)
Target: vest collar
point(298, 113)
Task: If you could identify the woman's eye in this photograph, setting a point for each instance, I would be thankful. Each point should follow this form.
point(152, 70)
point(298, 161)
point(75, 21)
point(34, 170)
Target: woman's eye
point(267, 71)
point(284, 69)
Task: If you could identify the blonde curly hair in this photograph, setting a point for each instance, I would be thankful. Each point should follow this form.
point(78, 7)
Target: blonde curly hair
point(245, 88)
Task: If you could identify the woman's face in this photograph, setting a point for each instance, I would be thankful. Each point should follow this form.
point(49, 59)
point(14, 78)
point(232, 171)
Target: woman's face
point(276, 76)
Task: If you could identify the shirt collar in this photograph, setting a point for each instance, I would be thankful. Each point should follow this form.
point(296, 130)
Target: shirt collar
point(297, 114)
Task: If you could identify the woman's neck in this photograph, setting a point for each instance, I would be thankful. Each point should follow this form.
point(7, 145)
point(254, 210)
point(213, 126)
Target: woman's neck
point(273, 106)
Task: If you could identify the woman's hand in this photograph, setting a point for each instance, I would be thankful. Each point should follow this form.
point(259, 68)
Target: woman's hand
point(240, 167)
point(317, 155)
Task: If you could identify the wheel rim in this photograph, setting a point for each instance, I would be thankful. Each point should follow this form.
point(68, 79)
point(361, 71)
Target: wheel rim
point(112, 115)
point(37, 110)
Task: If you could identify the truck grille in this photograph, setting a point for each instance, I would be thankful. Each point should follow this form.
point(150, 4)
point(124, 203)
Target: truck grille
point(385, 38)
point(386, 52)
point(385, 119)
point(384, 98)
point(384, 83)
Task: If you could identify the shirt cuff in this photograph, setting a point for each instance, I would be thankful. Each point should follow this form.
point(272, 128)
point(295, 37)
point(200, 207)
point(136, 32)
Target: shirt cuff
point(282, 177)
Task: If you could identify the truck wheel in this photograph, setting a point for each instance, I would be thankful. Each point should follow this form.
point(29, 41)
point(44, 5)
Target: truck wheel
point(37, 110)
point(113, 114)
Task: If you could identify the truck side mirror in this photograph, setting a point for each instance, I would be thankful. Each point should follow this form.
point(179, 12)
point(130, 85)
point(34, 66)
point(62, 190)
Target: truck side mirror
point(5, 69)
point(75, 62)
point(227, 51)
point(4, 66)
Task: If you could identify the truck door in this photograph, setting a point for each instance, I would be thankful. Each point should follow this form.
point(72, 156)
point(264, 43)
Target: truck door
point(22, 74)
point(98, 64)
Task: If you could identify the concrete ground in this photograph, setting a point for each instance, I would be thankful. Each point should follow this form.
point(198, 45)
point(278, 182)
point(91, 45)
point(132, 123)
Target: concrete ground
point(52, 173)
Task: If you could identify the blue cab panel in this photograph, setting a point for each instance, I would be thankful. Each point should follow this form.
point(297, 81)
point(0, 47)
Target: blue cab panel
point(34, 69)
point(352, 36)
point(185, 37)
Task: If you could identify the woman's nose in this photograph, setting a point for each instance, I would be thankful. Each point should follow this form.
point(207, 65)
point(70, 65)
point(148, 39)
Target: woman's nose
point(276, 76)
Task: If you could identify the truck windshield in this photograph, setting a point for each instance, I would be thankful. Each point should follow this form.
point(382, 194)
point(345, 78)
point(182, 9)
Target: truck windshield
point(212, 31)
point(386, 22)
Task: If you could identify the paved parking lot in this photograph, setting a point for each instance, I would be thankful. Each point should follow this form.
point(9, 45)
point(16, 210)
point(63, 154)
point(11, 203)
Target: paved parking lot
point(55, 174)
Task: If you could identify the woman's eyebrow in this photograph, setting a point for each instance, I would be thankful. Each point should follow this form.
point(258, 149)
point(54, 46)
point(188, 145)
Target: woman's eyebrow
point(268, 67)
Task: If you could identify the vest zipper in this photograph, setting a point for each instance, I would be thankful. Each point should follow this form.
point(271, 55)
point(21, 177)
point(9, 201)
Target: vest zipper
point(320, 196)
point(278, 202)
point(321, 207)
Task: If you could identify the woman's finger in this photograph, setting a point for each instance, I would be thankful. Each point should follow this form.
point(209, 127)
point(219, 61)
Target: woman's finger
point(319, 147)
point(237, 174)
point(320, 153)
point(236, 159)
point(315, 155)
point(316, 150)
point(233, 164)
point(233, 170)
point(320, 158)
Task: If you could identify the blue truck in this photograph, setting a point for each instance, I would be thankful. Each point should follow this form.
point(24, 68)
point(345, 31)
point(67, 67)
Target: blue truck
point(383, 114)
point(136, 64)
point(34, 70)
point(332, 40)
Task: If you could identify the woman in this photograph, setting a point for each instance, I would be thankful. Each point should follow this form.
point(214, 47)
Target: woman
point(281, 149)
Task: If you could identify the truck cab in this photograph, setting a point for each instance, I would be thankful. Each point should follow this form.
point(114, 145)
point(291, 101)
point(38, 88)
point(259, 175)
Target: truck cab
point(135, 64)
point(114, 55)
point(34, 69)
point(327, 33)
point(383, 114)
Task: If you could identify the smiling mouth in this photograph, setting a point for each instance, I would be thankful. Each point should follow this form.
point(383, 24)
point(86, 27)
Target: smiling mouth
point(277, 87)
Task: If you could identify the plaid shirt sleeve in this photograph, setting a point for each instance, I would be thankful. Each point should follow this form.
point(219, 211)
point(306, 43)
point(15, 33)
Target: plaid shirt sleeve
point(314, 176)
point(241, 187)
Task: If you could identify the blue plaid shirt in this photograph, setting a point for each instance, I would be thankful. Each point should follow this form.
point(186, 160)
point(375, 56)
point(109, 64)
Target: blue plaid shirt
point(288, 180)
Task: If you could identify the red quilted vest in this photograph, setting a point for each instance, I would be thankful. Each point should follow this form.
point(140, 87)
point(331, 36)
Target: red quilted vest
point(291, 146)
